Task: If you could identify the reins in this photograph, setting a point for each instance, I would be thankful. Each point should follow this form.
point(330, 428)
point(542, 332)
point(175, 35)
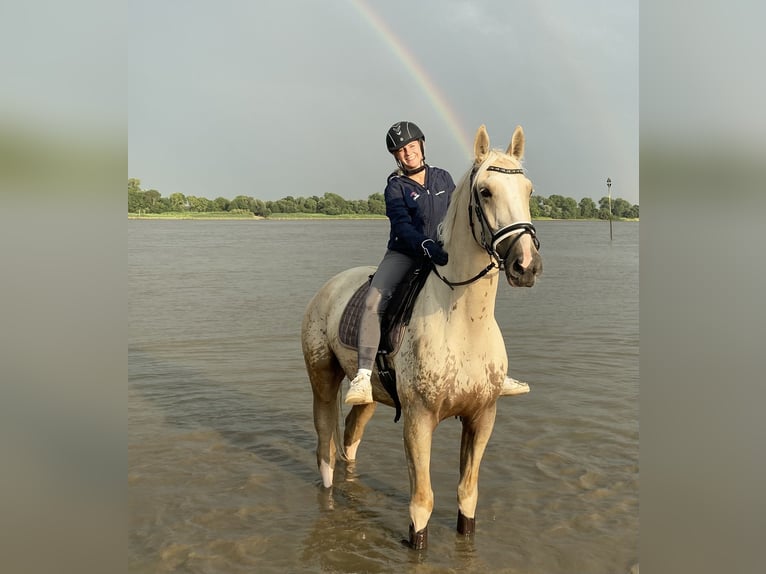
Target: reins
point(518, 229)
point(453, 284)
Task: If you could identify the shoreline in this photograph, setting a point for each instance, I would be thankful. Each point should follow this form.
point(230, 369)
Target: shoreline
point(240, 217)
point(308, 217)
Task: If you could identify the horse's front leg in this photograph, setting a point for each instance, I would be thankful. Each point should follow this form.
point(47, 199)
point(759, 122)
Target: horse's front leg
point(418, 435)
point(476, 432)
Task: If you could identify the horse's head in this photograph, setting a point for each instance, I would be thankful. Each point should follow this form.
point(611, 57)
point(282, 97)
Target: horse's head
point(500, 204)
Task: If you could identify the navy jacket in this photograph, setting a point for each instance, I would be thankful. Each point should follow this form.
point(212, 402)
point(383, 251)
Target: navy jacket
point(414, 210)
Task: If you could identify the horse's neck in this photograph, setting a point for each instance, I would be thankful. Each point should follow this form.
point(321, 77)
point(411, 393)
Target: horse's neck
point(466, 260)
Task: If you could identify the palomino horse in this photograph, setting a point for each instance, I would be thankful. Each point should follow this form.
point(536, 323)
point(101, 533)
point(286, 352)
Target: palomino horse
point(452, 359)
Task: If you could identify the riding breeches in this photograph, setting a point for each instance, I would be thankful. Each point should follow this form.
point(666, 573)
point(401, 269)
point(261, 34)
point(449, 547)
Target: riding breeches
point(391, 271)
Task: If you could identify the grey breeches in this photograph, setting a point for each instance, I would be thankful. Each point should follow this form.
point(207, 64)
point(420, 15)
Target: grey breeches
point(390, 273)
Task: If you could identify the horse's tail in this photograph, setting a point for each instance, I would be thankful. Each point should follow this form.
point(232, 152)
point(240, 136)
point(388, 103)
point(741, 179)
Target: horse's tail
point(337, 436)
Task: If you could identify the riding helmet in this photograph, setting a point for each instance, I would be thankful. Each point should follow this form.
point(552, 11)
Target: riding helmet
point(402, 133)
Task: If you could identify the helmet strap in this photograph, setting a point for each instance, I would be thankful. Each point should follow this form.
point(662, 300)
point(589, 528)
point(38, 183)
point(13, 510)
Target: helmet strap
point(406, 171)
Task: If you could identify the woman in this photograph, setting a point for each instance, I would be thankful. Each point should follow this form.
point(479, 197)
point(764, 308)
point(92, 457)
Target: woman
point(417, 196)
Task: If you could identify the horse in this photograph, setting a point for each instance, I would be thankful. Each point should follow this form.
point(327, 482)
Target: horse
point(451, 361)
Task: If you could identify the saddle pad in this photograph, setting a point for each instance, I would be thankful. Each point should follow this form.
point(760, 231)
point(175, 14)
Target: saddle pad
point(349, 321)
point(394, 320)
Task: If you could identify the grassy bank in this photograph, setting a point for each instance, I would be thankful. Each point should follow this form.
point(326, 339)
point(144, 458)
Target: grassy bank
point(323, 216)
point(194, 215)
point(241, 216)
point(293, 216)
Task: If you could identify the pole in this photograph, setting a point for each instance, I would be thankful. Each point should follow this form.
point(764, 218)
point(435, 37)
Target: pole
point(609, 188)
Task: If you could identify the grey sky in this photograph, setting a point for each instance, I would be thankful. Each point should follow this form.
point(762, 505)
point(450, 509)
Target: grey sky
point(293, 97)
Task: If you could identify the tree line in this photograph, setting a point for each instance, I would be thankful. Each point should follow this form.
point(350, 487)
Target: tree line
point(554, 206)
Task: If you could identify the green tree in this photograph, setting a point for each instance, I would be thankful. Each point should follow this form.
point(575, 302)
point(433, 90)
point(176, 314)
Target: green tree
point(286, 205)
point(562, 207)
point(136, 201)
point(587, 208)
point(376, 204)
point(163, 205)
point(360, 206)
point(199, 204)
point(545, 207)
point(221, 204)
point(603, 208)
point(309, 205)
point(569, 208)
point(620, 207)
point(260, 208)
point(177, 201)
point(153, 201)
point(332, 204)
point(242, 202)
point(134, 184)
point(555, 206)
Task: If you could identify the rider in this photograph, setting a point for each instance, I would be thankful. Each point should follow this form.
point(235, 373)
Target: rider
point(417, 196)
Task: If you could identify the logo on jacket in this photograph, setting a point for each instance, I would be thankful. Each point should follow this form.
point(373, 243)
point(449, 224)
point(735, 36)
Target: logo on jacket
point(414, 195)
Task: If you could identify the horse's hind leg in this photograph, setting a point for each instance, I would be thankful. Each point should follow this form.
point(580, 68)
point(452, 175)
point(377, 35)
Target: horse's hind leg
point(357, 419)
point(325, 377)
point(476, 432)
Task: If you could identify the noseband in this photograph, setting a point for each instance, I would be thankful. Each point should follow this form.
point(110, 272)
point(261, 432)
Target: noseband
point(489, 239)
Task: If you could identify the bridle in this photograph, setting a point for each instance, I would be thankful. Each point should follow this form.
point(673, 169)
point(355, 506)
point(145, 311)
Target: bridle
point(517, 229)
point(490, 240)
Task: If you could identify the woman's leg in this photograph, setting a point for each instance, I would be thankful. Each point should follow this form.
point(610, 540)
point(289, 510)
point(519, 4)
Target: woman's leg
point(390, 273)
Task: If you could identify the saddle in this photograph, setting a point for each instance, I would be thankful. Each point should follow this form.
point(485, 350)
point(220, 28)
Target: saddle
point(393, 323)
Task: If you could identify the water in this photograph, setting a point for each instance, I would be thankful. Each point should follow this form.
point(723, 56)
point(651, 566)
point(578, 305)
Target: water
point(222, 471)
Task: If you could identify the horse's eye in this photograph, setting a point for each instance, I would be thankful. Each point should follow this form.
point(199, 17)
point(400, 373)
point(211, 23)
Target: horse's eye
point(486, 193)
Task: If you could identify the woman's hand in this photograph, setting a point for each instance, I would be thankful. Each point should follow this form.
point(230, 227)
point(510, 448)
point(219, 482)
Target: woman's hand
point(434, 252)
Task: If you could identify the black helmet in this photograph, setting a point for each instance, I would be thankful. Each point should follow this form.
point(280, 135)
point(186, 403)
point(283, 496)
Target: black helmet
point(402, 133)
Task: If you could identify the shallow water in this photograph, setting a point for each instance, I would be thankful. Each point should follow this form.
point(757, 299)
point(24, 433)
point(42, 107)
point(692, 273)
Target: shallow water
point(222, 472)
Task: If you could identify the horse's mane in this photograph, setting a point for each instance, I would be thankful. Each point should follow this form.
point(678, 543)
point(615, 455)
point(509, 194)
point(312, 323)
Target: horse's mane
point(458, 204)
point(462, 194)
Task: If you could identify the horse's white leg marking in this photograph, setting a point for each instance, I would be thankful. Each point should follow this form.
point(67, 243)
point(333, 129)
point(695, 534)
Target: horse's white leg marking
point(357, 419)
point(418, 435)
point(419, 515)
point(326, 471)
point(351, 450)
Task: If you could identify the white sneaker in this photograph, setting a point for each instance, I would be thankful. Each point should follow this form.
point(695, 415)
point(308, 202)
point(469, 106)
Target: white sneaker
point(513, 387)
point(359, 390)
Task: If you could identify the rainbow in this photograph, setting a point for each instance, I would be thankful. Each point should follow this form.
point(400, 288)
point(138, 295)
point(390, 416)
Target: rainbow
point(418, 73)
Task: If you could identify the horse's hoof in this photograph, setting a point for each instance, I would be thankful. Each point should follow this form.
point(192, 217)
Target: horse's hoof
point(418, 540)
point(465, 526)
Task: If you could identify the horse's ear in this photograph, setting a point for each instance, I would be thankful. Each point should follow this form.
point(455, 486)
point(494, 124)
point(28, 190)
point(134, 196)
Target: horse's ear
point(516, 147)
point(481, 145)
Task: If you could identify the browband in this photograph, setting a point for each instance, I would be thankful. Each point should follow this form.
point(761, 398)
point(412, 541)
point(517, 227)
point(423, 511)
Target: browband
point(504, 170)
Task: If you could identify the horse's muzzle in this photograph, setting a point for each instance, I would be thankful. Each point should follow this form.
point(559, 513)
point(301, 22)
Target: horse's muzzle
point(522, 270)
